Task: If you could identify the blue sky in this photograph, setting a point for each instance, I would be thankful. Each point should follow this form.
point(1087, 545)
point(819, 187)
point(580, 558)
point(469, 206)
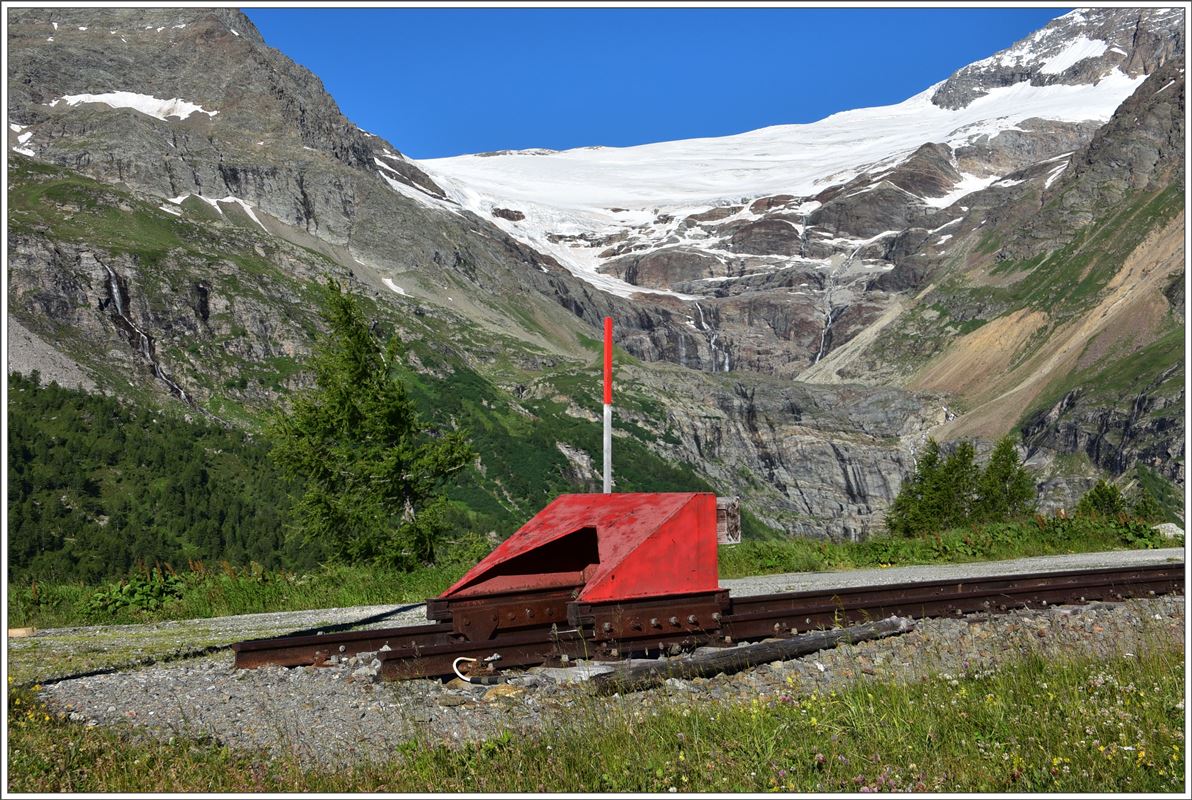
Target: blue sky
point(440, 82)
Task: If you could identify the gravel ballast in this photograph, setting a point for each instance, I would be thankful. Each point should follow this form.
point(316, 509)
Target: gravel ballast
point(338, 715)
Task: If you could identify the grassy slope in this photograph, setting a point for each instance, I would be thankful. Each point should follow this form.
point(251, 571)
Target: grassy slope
point(455, 370)
point(1034, 726)
point(1064, 284)
point(226, 590)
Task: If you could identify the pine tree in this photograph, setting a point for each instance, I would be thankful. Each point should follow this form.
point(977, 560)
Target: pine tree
point(956, 495)
point(913, 508)
point(373, 472)
point(953, 492)
point(1006, 490)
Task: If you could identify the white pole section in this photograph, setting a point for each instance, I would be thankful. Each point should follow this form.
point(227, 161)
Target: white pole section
point(608, 405)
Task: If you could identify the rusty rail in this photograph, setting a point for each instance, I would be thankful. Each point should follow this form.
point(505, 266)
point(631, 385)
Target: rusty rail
point(654, 625)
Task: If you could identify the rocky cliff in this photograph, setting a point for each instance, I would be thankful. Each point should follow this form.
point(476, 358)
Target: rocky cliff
point(178, 188)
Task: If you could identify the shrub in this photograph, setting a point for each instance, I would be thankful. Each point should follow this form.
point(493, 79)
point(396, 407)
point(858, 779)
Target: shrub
point(148, 590)
point(1103, 500)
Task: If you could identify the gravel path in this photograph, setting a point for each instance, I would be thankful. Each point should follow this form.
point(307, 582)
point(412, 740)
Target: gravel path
point(806, 581)
point(331, 717)
point(338, 715)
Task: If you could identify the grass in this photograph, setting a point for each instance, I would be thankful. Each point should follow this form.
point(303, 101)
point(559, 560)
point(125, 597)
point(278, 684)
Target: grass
point(203, 592)
point(1064, 283)
point(1039, 537)
point(227, 591)
point(1035, 725)
point(1119, 381)
point(1069, 280)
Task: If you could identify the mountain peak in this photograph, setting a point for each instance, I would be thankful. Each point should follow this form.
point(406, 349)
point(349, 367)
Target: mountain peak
point(1081, 47)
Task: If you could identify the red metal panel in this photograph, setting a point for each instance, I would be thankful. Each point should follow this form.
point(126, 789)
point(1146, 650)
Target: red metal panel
point(646, 545)
point(608, 361)
point(674, 555)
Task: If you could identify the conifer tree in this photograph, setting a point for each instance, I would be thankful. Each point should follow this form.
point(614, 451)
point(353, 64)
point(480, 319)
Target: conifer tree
point(372, 470)
point(957, 493)
point(953, 492)
point(913, 508)
point(1007, 490)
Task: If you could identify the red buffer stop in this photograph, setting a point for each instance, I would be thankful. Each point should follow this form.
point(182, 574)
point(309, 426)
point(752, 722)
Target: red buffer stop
point(582, 555)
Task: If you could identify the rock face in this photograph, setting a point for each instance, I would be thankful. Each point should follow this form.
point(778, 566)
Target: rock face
point(666, 269)
point(1141, 147)
point(234, 184)
point(827, 459)
point(767, 237)
point(278, 145)
point(1080, 47)
point(1146, 429)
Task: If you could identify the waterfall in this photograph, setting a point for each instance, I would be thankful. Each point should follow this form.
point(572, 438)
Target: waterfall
point(831, 313)
point(139, 339)
point(713, 335)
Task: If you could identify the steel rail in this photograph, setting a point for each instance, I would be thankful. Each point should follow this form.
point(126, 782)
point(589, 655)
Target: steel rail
point(429, 650)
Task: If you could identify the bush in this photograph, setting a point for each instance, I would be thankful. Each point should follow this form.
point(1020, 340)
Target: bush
point(144, 591)
point(1103, 500)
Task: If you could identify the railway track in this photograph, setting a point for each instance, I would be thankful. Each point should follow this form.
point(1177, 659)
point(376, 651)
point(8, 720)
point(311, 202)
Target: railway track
point(535, 628)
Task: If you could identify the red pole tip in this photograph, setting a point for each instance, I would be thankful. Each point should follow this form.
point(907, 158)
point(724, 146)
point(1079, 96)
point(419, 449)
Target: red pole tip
point(608, 360)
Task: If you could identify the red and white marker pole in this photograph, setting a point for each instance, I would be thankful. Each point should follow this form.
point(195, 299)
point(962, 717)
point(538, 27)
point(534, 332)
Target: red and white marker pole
point(608, 405)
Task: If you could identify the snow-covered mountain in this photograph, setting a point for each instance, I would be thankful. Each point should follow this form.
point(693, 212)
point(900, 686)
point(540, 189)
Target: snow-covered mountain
point(773, 250)
point(571, 203)
point(590, 206)
point(1001, 252)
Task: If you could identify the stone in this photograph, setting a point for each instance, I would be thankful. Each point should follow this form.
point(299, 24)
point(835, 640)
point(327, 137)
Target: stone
point(576, 674)
point(509, 213)
point(503, 691)
point(1169, 530)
